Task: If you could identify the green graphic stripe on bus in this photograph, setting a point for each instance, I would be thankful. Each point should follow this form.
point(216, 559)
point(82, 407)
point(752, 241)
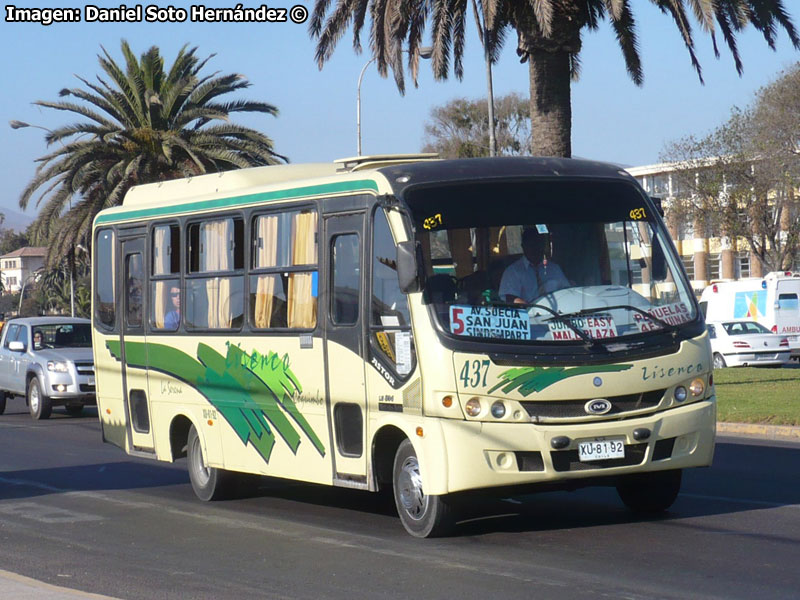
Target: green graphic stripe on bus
point(249, 390)
point(534, 379)
point(313, 190)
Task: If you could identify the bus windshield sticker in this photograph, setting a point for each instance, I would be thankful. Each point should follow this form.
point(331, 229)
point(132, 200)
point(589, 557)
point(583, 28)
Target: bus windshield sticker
point(595, 326)
point(432, 222)
point(490, 322)
point(402, 346)
point(637, 214)
point(671, 314)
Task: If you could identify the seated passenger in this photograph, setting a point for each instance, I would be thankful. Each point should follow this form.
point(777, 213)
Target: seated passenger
point(533, 275)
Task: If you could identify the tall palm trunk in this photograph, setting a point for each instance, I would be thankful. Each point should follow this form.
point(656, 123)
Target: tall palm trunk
point(549, 54)
point(551, 103)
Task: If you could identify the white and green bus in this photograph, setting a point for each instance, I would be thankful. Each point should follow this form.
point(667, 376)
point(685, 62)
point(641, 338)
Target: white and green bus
point(354, 324)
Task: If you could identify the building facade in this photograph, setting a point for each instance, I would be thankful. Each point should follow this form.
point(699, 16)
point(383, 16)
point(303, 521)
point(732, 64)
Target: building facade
point(20, 265)
point(706, 256)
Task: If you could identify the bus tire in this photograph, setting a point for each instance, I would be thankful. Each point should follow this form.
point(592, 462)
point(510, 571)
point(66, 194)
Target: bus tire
point(650, 493)
point(422, 515)
point(38, 403)
point(208, 483)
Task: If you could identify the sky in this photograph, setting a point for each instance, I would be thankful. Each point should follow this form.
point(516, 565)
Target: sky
point(613, 119)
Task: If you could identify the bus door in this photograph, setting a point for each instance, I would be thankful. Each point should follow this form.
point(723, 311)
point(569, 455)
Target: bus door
point(344, 346)
point(134, 349)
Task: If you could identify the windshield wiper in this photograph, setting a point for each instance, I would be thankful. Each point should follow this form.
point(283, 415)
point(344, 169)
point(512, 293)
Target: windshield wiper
point(590, 311)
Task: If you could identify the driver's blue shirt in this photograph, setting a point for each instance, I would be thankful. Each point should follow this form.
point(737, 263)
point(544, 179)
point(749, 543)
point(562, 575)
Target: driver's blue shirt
point(524, 280)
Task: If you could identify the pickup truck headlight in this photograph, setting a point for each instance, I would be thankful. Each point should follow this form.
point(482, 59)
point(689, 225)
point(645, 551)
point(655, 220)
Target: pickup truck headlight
point(57, 366)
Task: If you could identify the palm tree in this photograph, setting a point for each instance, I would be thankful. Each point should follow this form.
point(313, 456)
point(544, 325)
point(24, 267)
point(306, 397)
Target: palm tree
point(548, 38)
point(142, 124)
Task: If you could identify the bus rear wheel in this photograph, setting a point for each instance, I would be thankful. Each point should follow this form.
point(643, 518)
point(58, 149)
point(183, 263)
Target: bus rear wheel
point(422, 515)
point(650, 493)
point(208, 483)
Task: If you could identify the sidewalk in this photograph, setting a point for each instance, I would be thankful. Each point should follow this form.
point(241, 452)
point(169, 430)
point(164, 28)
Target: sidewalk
point(17, 587)
point(784, 433)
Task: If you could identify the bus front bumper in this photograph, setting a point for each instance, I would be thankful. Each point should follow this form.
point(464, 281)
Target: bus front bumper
point(485, 455)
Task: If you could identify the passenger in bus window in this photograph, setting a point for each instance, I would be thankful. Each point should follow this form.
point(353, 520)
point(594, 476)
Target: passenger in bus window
point(533, 274)
point(173, 317)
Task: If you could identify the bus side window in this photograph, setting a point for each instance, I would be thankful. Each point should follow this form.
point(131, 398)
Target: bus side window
point(104, 279)
point(390, 321)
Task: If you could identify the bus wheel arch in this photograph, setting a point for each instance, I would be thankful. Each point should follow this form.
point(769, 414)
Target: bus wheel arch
point(384, 448)
point(208, 483)
point(179, 436)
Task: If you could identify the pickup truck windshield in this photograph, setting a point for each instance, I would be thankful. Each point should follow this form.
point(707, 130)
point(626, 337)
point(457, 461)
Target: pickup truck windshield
point(60, 335)
point(556, 261)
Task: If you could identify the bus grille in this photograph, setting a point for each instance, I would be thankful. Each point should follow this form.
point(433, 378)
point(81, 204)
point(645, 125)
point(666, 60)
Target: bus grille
point(573, 409)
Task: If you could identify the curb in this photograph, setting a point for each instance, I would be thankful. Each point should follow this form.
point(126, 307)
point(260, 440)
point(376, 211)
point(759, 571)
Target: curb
point(20, 587)
point(770, 432)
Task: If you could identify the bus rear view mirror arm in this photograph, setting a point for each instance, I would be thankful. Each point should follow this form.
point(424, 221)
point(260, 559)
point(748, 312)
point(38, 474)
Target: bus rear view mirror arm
point(407, 267)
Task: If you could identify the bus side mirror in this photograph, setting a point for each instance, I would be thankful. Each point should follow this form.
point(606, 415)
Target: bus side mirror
point(407, 267)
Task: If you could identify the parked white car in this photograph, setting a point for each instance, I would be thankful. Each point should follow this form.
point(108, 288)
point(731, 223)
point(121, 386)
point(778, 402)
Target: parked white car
point(743, 343)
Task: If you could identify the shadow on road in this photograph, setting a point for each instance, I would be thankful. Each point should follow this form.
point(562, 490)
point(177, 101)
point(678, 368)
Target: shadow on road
point(123, 475)
point(744, 477)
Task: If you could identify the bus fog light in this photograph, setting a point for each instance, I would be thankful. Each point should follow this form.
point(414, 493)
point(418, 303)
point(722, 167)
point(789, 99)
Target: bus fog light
point(697, 387)
point(498, 410)
point(680, 393)
point(473, 407)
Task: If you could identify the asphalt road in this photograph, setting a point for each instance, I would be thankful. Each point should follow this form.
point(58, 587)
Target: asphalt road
point(83, 515)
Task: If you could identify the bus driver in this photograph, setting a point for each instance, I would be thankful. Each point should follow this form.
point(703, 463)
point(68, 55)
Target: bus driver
point(533, 274)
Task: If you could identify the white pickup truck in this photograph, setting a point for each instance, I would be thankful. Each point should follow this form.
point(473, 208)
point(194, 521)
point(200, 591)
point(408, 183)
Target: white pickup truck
point(48, 361)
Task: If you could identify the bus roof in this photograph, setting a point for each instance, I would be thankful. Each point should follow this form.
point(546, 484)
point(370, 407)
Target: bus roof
point(360, 173)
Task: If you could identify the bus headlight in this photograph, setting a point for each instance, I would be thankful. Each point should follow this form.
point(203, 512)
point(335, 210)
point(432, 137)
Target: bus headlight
point(498, 410)
point(680, 393)
point(697, 387)
point(473, 407)
point(57, 367)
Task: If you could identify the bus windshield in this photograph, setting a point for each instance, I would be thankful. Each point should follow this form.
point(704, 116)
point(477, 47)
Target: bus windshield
point(548, 261)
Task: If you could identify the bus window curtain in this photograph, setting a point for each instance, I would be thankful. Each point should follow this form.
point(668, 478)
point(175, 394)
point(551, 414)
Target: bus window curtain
point(266, 255)
point(302, 307)
point(160, 267)
point(216, 238)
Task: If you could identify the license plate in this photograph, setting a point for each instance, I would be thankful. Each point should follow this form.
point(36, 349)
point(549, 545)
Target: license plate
point(601, 450)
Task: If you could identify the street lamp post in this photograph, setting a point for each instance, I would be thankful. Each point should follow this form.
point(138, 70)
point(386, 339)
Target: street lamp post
point(21, 125)
point(424, 52)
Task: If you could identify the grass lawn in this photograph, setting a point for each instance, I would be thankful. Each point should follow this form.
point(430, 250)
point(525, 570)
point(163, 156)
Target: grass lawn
point(758, 395)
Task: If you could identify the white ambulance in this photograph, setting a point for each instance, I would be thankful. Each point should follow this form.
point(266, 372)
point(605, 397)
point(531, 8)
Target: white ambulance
point(773, 301)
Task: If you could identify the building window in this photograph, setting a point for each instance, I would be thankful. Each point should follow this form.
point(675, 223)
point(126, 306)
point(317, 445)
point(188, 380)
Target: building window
point(743, 266)
point(714, 266)
point(688, 265)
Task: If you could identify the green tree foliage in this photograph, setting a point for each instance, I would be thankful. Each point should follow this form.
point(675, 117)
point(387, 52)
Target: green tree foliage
point(548, 34)
point(142, 123)
point(742, 178)
point(460, 128)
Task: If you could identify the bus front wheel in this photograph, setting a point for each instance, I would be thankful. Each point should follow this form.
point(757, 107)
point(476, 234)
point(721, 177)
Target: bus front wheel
point(208, 483)
point(422, 515)
point(650, 493)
